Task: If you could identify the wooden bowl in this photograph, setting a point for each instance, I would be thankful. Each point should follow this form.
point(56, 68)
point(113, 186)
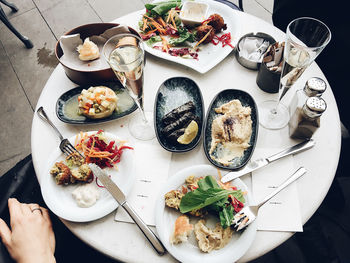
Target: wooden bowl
point(82, 77)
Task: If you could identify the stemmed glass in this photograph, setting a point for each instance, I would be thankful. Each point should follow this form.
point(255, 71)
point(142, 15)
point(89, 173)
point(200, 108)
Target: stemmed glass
point(125, 55)
point(305, 39)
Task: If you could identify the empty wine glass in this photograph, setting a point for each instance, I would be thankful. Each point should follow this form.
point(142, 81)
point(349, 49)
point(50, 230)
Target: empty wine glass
point(125, 55)
point(306, 37)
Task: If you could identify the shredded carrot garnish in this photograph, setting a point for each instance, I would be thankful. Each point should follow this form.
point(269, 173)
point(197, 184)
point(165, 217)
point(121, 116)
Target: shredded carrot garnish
point(165, 44)
point(150, 18)
point(172, 20)
point(144, 24)
point(200, 41)
point(161, 21)
point(159, 27)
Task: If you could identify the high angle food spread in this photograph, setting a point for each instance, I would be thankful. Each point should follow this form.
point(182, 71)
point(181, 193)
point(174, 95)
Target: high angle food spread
point(97, 102)
point(162, 28)
point(196, 199)
point(96, 148)
point(181, 124)
point(230, 132)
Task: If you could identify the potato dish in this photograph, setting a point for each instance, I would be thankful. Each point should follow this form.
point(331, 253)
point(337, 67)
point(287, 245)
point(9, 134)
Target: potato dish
point(97, 102)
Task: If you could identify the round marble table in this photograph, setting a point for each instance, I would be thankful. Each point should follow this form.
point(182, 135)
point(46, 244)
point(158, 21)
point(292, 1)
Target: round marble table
point(123, 241)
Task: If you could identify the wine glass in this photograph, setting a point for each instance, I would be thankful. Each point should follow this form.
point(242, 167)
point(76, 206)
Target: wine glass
point(125, 55)
point(306, 37)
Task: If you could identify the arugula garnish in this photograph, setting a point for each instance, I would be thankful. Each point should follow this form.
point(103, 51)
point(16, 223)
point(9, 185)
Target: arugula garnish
point(211, 196)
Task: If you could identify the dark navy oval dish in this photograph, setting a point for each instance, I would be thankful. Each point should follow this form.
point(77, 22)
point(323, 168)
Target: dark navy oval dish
point(66, 100)
point(171, 94)
point(220, 99)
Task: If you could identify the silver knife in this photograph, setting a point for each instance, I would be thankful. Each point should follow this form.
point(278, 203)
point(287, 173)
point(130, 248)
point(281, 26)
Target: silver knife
point(252, 166)
point(118, 195)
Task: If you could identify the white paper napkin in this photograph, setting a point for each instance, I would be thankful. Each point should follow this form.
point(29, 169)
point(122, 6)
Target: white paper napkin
point(70, 56)
point(282, 212)
point(152, 166)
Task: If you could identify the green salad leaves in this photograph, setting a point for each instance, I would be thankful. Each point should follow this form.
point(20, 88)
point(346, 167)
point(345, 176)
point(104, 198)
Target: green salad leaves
point(184, 35)
point(160, 8)
point(211, 196)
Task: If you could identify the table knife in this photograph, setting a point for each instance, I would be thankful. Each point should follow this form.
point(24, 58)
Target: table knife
point(255, 165)
point(118, 195)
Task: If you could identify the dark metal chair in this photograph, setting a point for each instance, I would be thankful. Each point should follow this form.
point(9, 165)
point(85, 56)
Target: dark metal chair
point(5, 20)
point(230, 4)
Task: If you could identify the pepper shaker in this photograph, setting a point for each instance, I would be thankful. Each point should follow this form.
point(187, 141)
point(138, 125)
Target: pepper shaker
point(306, 120)
point(313, 87)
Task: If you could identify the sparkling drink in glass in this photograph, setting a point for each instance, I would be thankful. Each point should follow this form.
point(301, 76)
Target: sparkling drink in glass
point(125, 55)
point(306, 37)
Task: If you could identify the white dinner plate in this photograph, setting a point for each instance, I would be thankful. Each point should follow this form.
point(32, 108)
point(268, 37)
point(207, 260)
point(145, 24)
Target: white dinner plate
point(59, 198)
point(209, 55)
point(189, 251)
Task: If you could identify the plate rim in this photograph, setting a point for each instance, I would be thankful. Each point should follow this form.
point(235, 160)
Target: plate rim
point(91, 121)
point(160, 207)
point(76, 218)
point(202, 116)
point(256, 131)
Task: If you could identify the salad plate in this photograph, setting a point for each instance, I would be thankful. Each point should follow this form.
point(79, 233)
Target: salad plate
point(67, 109)
point(59, 197)
point(209, 55)
point(189, 251)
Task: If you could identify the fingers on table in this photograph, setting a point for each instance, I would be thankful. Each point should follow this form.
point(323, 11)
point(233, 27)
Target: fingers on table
point(5, 232)
point(15, 209)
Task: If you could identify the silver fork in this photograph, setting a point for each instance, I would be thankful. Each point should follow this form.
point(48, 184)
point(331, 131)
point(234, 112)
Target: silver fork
point(65, 146)
point(249, 213)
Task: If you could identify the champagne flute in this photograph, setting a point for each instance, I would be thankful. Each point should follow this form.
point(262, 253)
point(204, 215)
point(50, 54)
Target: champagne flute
point(125, 55)
point(306, 37)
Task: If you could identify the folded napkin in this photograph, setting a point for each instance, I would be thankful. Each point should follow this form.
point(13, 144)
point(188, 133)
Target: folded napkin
point(70, 57)
point(282, 212)
point(151, 168)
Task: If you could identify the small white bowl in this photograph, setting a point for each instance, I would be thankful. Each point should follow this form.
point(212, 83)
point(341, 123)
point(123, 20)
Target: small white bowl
point(193, 13)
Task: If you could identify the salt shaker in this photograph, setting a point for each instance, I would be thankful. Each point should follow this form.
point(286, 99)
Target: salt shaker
point(306, 120)
point(313, 87)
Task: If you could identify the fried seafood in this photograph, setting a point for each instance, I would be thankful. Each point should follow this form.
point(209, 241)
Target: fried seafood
point(83, 173)
point(203, 31)
point(61, 172)
point(75, 159)
point(217, 22)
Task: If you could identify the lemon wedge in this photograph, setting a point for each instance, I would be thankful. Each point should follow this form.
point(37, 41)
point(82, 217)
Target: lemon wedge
point(190, 133)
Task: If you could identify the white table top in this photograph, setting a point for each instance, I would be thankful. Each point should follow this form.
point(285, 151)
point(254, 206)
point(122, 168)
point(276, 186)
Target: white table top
point(124, 241)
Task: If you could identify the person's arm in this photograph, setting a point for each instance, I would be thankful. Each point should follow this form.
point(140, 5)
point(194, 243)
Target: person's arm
point(31, 238)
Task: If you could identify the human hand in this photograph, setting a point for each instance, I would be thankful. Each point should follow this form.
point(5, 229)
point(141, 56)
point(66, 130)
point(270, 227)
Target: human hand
point(31, 238)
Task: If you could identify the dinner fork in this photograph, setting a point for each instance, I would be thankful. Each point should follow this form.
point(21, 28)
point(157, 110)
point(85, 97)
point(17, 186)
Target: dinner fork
point(248, 214)
point(65, 146)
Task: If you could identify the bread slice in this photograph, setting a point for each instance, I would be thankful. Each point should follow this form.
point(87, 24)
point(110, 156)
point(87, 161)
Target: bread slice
point(182, 230)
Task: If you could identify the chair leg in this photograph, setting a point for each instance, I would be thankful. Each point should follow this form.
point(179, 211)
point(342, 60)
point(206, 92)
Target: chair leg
point(5, 20)
point(10, 5)
point(13, 7)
